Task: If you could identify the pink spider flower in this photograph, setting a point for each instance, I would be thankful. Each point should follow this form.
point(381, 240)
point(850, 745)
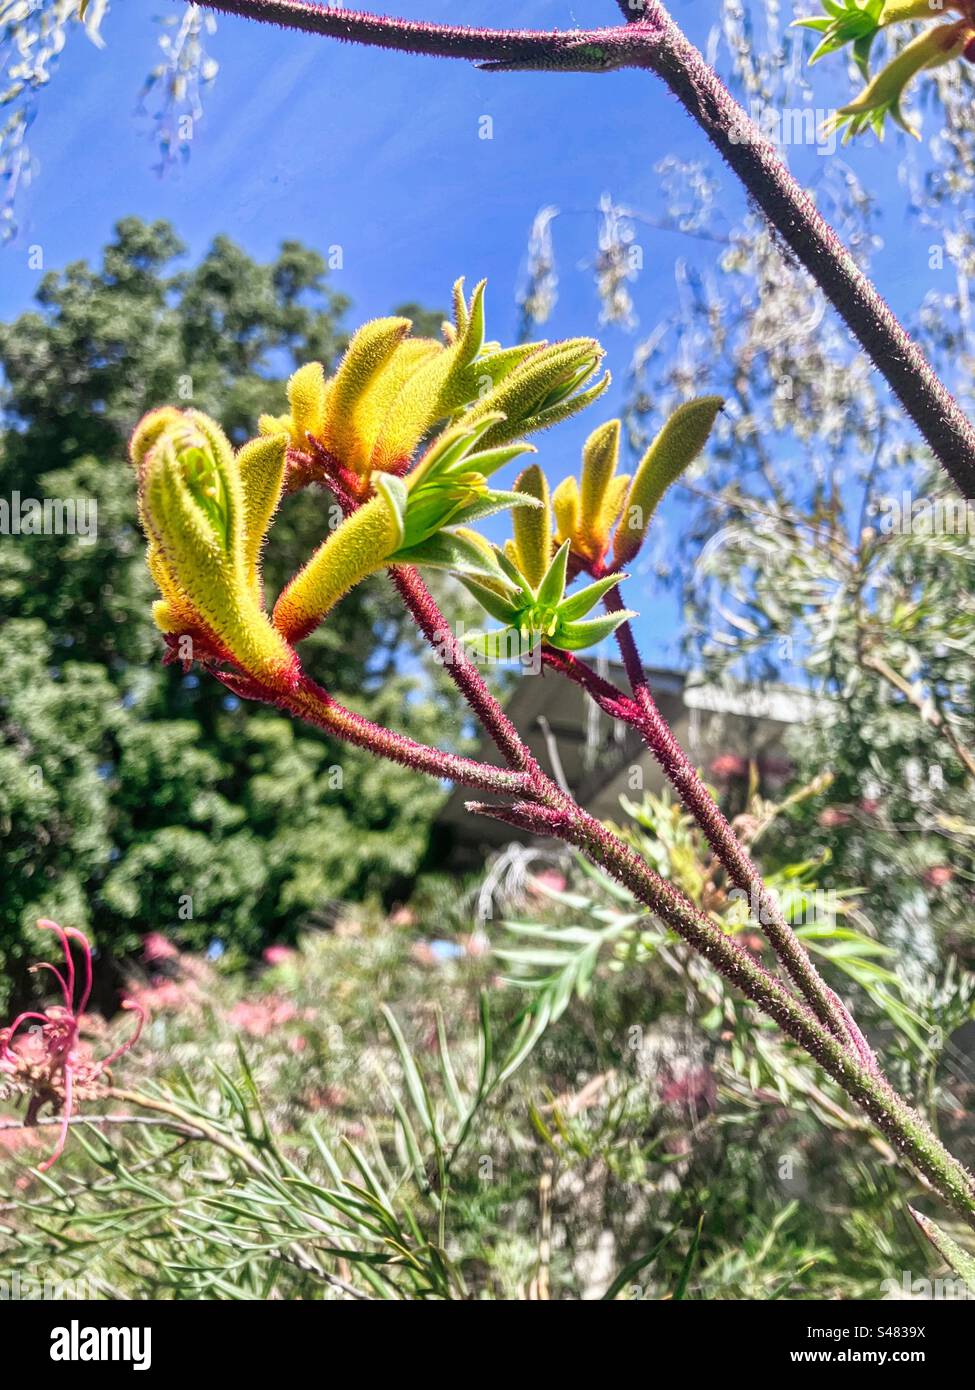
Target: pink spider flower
point(53, 1065)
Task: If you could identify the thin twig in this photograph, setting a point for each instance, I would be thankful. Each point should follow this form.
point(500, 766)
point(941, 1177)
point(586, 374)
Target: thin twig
point(928, 711)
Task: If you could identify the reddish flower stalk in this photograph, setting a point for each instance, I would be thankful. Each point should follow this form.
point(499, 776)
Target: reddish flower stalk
point(462, 669)
point(841, 1049)
point(818, 1021)
point(312, 703)
point(551, 812)
point(54, 1067)
point(543, 808)
point(644, 716)
point(651, 40)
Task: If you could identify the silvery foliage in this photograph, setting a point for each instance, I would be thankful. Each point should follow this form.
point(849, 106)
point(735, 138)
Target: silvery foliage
point(33, 35)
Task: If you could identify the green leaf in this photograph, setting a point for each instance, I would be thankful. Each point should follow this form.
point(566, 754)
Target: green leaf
point(627, 1273)
point(487, 503)
point(552, 587)
point(577, 605)
point(502, 644)
point(493, 602)
point(394, 494)
point(573, 637)
point(447, 1072)
point(453, 445)
point(514, 575)
point(689, 1262)
point(448, 551)
point(415, 1084)
point(488, 461)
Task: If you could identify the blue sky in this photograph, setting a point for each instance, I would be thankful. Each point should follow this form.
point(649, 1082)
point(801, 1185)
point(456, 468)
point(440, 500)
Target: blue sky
point(380, 154)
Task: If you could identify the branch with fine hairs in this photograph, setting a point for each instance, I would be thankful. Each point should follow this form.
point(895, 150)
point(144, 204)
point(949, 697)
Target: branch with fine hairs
point(461, 669)
point(610, 699)
point(314, 705)
point(652, 41)
point(906, 1130)
point(728, 849)
point(894, 1117)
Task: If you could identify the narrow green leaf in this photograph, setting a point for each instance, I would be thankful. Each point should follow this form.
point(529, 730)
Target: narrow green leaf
point(577, 605)
point(552, 587)
point(448, 551)
point(689, 1262)
point(492, 602)
point(573, 637)
point(394, 493)
point(627, 1273)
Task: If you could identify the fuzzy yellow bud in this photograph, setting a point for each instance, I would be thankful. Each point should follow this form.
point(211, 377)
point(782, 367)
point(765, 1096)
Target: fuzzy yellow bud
point(306, 397)
point(356, 548)
point(205, 528)
point(676, 446)
point(533, 526)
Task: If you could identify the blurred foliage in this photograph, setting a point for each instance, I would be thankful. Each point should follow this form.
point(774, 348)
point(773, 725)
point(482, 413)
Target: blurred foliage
point(372, 1117)
point(135, 798)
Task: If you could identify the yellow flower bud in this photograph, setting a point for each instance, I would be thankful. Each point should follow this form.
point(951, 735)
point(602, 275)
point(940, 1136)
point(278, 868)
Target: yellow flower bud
point(676, 446)
point(357, 547)
point(306, 397)
point(205, 530)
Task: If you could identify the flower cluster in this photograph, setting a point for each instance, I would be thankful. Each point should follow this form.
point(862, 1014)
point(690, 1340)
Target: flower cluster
point(406, 434)
point(603, 510)
point(858, 22)
point(49, 1062)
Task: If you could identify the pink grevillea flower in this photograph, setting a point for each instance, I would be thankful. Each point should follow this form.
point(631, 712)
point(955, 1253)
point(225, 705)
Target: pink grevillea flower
point(277, 955)
point(51, 1064)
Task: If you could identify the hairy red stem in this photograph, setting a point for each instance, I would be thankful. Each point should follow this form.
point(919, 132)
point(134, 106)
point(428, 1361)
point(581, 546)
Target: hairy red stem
point(313, 704)
point(728, 849)
point(461, 669)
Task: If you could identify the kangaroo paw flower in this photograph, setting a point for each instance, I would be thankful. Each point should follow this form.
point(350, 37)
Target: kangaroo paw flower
point(404, 523)
point(587, 510)
point(205, 512)
point(884, 93)
point(857, 23)
point(604, 511)
point(677, 445)
point(391, 389)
